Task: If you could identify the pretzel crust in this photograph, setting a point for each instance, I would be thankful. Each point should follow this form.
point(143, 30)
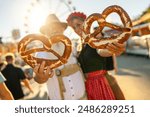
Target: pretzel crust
point(101, 43)
point(47, 44)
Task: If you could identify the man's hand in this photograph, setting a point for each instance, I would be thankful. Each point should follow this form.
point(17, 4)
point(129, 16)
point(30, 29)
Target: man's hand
point(116, 48)
point(42, 75)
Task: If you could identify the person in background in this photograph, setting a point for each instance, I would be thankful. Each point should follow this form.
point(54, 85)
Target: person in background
point(67, 81)
point(14, 76)
point(95, 63)
point(5, 94)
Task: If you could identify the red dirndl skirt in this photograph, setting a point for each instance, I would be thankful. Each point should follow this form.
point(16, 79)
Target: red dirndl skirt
point(97, 86)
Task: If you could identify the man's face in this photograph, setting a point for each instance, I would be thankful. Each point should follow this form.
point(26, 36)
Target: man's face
point(76, 24)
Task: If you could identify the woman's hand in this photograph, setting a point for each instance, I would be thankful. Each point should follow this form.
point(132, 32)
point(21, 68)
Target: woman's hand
point(116, 48)
point(42, 75)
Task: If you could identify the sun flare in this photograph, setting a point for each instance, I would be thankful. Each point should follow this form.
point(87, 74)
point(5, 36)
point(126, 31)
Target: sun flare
point(37, 18)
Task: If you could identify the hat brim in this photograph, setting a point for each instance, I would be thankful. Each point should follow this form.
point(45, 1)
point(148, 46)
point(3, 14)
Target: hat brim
point(47, 27)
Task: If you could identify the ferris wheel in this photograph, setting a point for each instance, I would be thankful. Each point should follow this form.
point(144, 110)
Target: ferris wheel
point(38, 10)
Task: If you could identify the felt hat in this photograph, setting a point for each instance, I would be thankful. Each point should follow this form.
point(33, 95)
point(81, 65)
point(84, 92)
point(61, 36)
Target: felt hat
point(52, 20)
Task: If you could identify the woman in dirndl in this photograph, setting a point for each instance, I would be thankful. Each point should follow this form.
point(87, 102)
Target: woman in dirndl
point(95, 64)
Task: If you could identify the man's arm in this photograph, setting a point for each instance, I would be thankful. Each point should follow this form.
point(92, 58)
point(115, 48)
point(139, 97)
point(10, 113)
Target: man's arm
point(5, 94)
point(27, 84)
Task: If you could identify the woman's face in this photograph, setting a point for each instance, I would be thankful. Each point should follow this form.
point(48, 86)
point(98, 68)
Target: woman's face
point(76, 24)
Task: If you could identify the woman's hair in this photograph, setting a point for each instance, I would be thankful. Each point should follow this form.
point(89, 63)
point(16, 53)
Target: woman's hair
point(76, 15)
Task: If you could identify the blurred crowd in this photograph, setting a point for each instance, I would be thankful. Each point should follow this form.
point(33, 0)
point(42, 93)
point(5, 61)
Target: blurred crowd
point(16, 74)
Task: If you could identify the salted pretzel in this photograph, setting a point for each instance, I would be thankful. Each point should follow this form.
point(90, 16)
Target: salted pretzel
point(101, 43)
point(27, 55)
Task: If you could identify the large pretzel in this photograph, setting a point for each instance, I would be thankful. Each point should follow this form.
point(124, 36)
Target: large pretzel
point(47, 43)
point(101, 43)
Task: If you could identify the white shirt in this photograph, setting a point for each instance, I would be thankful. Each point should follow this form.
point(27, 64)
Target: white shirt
point(74, 83)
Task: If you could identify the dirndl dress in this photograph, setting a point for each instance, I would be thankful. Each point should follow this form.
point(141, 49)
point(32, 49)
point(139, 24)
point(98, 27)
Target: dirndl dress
point(97, 86)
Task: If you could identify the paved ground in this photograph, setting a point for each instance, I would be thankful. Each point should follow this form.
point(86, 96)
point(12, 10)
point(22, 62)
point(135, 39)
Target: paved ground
point(39, 92)
point(133, 77)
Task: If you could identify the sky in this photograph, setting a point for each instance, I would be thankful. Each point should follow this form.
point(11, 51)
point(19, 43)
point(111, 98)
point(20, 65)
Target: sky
point(13, 12)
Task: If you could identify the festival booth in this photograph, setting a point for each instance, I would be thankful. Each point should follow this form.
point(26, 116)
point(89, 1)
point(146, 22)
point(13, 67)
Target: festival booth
point(139, 43)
